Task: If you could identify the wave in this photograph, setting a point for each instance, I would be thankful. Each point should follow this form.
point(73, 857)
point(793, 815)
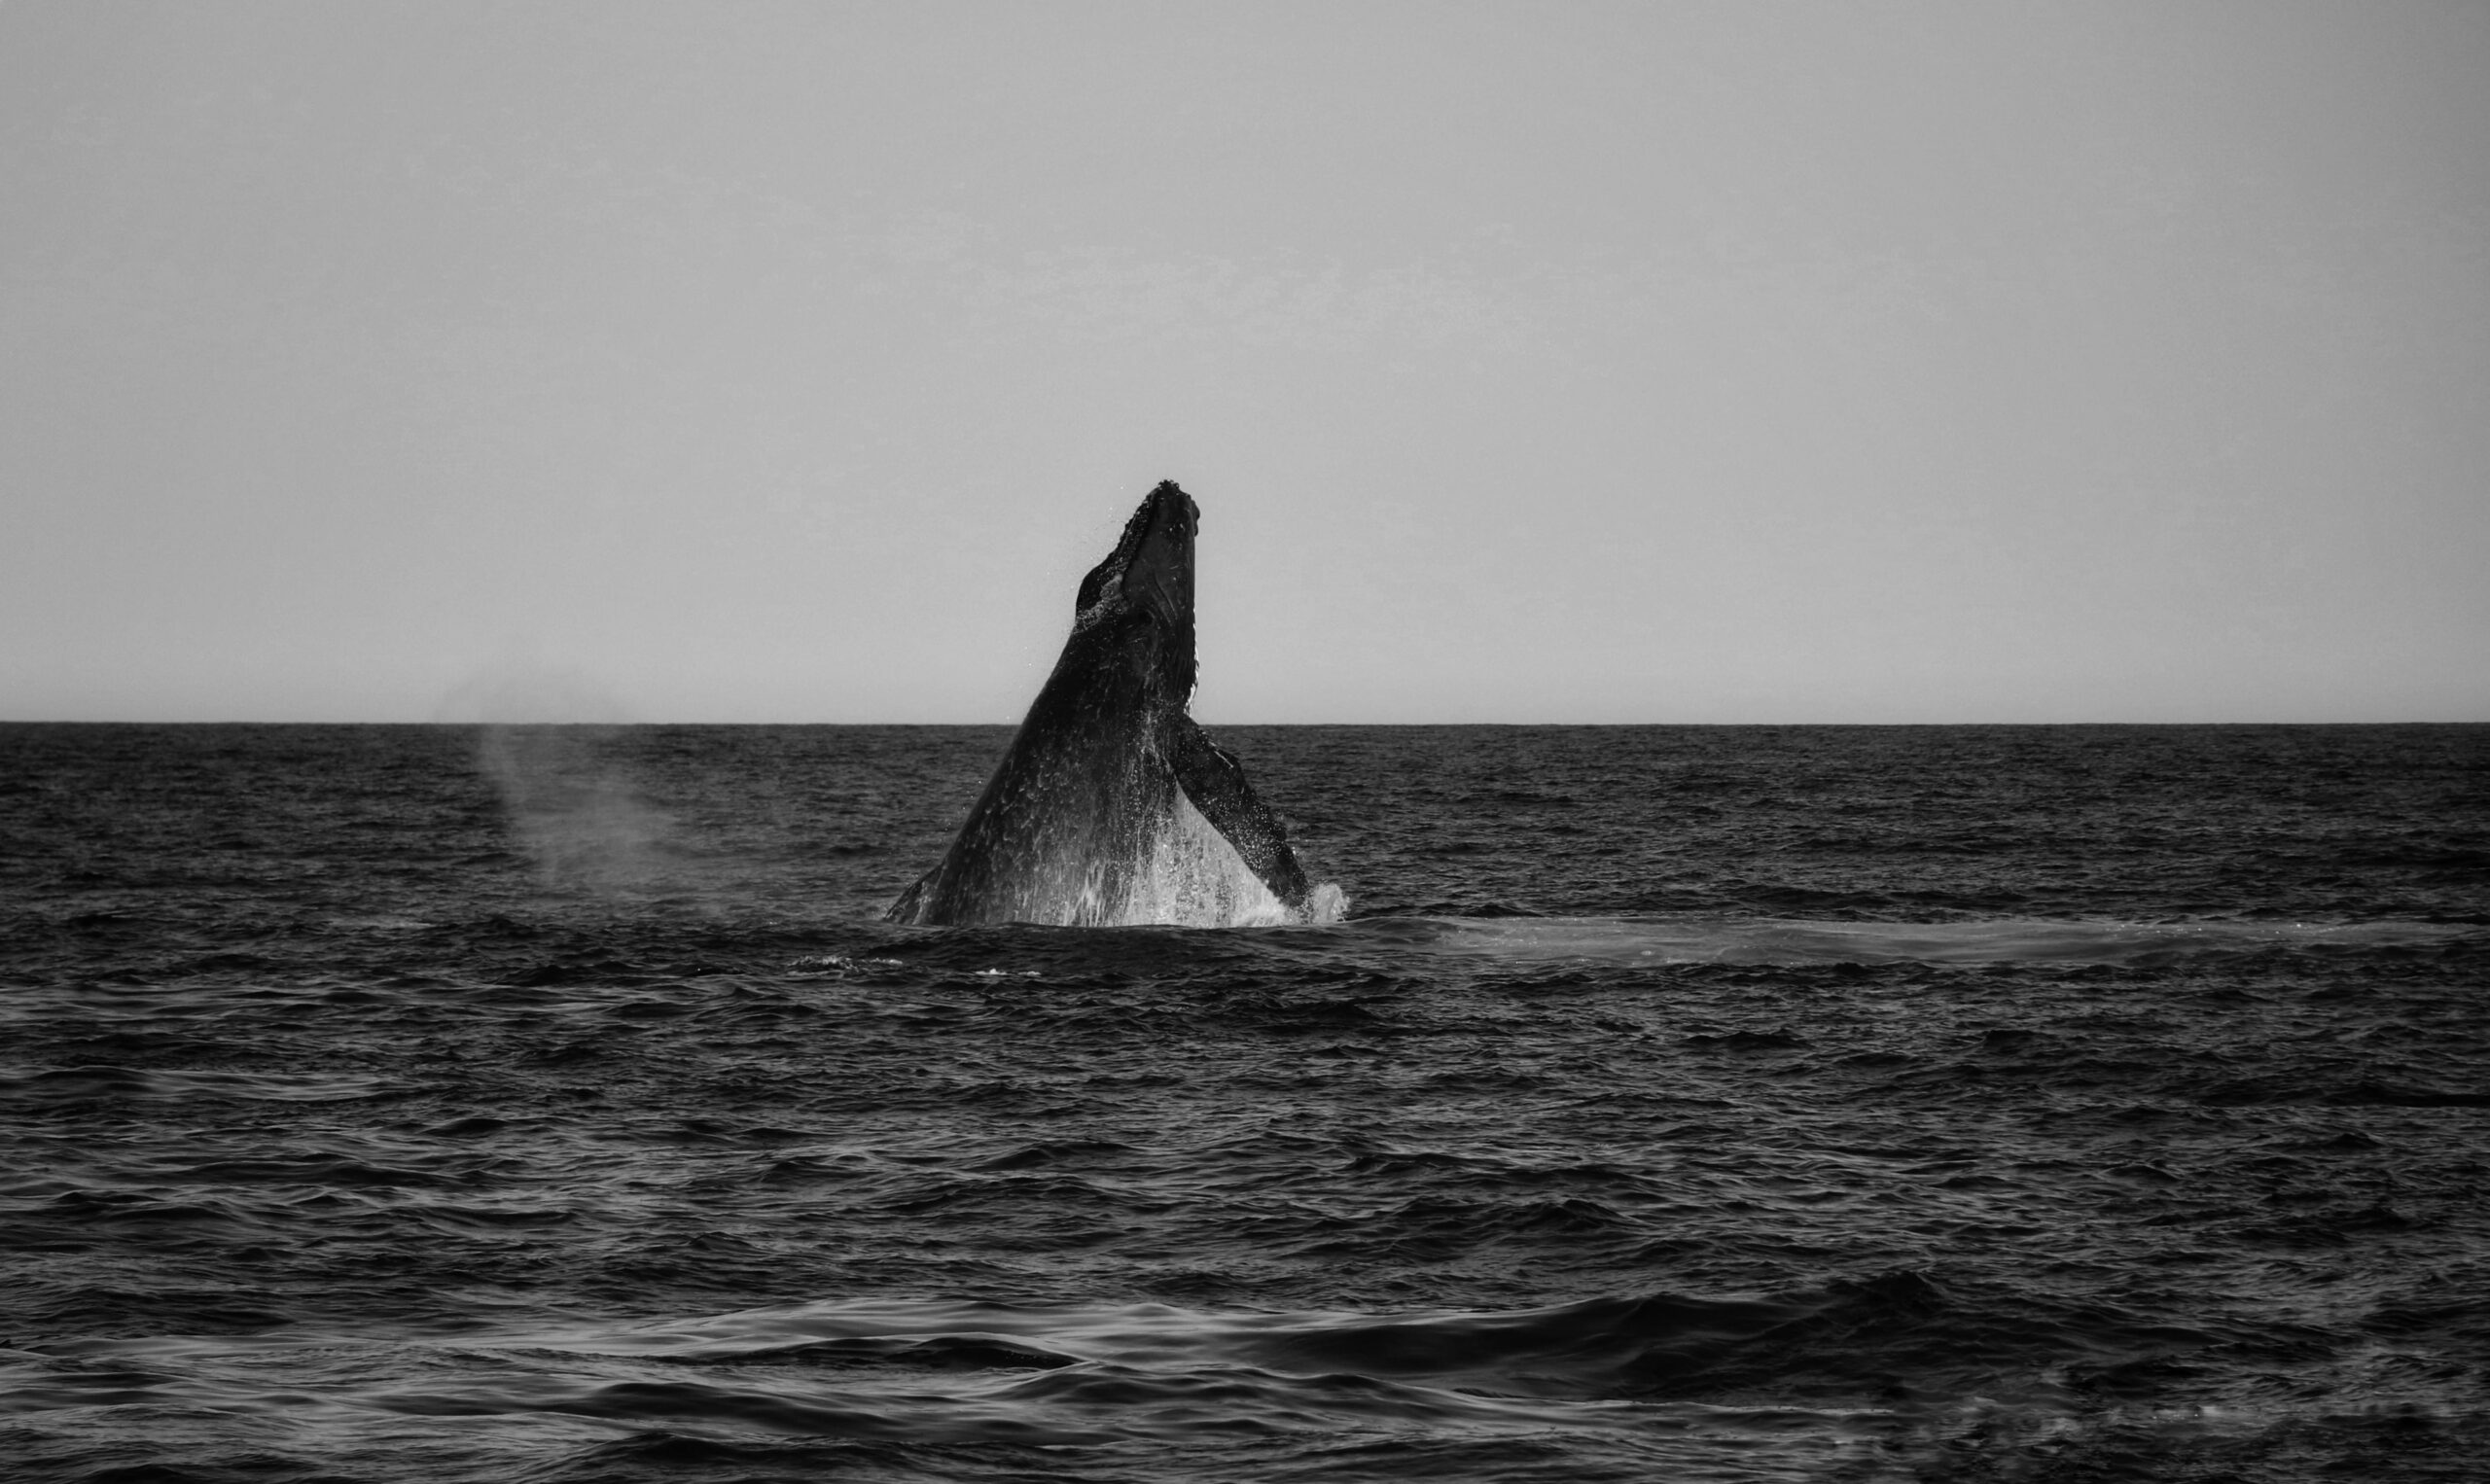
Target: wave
point(105, 1083)
point(949, 1373)
point(1863, 1378)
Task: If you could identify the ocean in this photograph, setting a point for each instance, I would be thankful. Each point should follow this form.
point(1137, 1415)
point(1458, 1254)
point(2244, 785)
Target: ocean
point(1859, 1104)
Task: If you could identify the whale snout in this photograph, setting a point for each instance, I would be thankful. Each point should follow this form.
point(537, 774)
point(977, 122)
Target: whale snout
point(1158, 573)
point(1151, 570)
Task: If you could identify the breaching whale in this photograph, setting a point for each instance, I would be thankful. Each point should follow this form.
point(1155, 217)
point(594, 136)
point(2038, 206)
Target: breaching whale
point(1111, 805)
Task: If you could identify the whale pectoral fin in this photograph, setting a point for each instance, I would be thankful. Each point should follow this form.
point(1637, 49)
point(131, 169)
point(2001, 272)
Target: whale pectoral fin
point(912, 902)
point(1216, 784)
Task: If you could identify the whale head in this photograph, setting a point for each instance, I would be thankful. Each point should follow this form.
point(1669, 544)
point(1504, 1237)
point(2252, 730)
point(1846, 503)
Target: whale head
point(1140, 599)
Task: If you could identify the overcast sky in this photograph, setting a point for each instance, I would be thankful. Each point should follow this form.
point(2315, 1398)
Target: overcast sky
point(1535, 361)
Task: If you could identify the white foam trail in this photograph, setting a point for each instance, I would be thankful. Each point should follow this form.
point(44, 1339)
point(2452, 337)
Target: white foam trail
point(1694, 940)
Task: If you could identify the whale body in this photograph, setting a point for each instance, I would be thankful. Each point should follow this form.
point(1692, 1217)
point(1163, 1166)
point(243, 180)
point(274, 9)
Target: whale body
point(1112, 805)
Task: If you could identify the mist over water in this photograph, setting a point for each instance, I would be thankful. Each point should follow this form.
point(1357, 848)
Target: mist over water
point(1857, 1103)
point(573, 809)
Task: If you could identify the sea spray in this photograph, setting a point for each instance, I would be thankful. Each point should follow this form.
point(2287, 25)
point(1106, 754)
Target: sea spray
point(1193, 877)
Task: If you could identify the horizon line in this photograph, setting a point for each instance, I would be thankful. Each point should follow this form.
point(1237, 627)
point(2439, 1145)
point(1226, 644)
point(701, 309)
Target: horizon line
point(618, 724)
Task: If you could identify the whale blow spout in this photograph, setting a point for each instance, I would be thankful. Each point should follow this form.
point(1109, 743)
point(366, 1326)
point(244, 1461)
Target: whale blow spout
point(1112, 806)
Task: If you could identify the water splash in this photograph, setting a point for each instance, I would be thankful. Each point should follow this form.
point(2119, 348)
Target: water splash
point(1326, 903)
point(1191, 876)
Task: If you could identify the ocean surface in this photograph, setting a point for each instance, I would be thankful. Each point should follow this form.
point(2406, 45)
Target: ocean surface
point(435, 1104)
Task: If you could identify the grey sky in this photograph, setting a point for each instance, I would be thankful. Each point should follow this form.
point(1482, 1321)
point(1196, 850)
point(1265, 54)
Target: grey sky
point(1975, 362)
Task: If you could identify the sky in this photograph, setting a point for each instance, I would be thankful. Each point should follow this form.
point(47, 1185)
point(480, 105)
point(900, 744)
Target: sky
point(1668, 363)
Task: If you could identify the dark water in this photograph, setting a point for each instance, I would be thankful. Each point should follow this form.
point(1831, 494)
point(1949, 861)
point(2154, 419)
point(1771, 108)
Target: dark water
point(1704, 1103)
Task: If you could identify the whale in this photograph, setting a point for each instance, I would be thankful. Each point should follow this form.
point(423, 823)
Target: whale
point(1112, 806)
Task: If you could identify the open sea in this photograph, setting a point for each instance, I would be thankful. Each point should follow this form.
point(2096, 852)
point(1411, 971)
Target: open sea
point(1863, 1104)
